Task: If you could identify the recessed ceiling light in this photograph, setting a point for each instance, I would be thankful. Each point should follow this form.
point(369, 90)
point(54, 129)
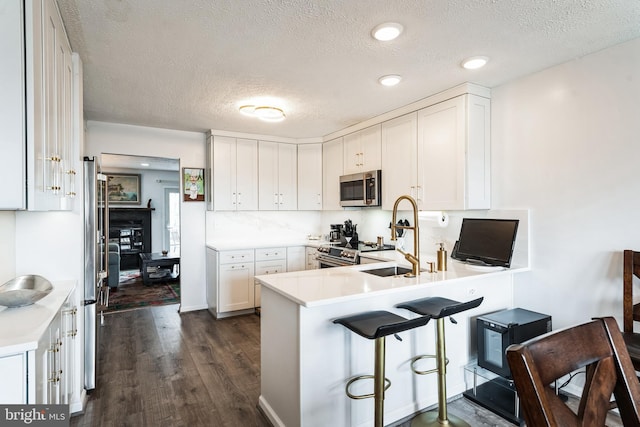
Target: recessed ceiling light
point(390, 80)
point(144, 164)
point(475, 62)
point(387, 31)
point(263, 112)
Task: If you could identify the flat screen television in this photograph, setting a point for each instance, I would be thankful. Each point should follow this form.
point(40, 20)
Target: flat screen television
point(486, 241)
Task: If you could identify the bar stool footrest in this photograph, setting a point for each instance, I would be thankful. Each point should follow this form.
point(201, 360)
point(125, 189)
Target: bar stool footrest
point(426, 356)
point(387, 384)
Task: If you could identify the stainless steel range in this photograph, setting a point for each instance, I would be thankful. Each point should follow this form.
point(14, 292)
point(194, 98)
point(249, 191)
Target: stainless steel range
point(341, 255)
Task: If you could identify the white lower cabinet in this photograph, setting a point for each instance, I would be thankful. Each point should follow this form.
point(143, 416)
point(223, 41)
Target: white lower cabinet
point(230, 285)
point(269, 261)
point(47, 373)
point(311, 258)
point(296, 258)
point(13, 371)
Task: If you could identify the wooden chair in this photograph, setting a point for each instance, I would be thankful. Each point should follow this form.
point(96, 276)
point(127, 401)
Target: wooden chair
point(597, 346)
point(630, 311)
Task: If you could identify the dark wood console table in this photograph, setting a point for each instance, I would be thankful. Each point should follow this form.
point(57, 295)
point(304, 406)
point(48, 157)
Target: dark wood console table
point(158, 267)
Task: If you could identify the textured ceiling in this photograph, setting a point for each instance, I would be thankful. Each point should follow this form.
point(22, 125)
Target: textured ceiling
point(189, 64)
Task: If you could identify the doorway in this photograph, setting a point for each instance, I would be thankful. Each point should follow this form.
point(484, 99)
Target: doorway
point(159, 197)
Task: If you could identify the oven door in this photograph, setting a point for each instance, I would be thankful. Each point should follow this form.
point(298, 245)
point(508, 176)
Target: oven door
point(325, 262)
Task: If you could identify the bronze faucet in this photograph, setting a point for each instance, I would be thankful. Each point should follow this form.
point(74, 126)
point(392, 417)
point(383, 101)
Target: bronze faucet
point(415, 258)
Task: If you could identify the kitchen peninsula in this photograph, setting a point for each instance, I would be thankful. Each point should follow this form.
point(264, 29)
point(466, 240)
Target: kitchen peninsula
point(307, 360)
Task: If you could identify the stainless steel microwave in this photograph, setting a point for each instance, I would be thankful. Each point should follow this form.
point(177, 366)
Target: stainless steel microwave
point(361, 189)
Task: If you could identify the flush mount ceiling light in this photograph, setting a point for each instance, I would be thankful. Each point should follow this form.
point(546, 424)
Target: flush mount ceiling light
point(390, 80)
point(475, 62)
point(263, 112)
point(387, 31)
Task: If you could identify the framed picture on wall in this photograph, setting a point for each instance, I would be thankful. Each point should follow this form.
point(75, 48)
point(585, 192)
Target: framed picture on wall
point(123, 189)
point(193, 180)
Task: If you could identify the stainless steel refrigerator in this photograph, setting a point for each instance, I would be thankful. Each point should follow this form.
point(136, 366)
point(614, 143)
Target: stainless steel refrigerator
point(96, 225)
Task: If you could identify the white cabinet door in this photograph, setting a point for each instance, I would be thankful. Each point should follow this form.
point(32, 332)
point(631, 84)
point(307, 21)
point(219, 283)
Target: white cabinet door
point(454, 154)
point(49, 86)
point(296, 258)
point(268, 175)
point(277, 176)
point(70, 384)
point(362, 150)
point(310, 177)
point(232, 165)
point(287, 177)
point(246, 174)
point(332, 168)
point(222, 154)
point(311, 258)
point(12, 106)
point(399, 163)
point(236, 288)
point(49, 366)
point(13, 387)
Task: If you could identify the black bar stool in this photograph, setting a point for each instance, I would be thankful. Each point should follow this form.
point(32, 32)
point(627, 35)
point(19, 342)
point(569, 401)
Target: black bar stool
point(438, 308)
point(376, 325)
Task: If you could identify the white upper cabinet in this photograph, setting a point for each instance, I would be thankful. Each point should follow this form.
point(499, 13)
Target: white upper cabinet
point(454, 154)
point(12, 105)
point(309, 177)
point(277, 176)
point(332, 168)
point(232, 172)
point(362, 150)
point(50, 163)
point(399, 163)
point(37, 132)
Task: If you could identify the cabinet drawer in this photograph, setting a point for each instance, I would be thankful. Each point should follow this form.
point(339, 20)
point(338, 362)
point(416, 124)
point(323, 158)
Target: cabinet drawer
point(230, 257)
point(271, 253)
point(270, 267)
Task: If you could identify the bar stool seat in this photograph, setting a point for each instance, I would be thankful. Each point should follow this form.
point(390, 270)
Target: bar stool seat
point(376, 325)
point(438, 308)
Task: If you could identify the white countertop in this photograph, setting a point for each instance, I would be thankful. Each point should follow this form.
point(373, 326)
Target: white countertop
point(311, 288)
point(232, 244)
point(22, 327)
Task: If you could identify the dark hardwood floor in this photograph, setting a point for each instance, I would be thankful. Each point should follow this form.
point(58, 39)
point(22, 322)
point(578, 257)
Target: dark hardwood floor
point(157, 367)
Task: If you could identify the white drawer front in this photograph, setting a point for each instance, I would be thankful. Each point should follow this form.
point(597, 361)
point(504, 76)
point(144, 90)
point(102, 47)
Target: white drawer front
point(271, 253)
point(230, 257)
point(270, 267)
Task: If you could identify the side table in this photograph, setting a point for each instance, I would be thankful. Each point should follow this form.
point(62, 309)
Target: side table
point(158, 267)
point(493, 392)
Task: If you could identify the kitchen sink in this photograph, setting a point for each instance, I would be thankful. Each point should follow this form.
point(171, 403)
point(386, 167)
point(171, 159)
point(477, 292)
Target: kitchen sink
point(388, 271)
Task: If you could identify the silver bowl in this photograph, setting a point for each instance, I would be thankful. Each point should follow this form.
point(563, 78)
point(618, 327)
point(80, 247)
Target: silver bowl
point(24, 290)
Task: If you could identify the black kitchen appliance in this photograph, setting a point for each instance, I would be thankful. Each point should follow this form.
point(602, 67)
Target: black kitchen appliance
point(497, 331)
point(335, 235)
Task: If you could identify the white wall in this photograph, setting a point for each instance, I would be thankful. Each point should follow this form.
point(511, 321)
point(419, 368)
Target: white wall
point(565, 145)
point(189, 147)
point(7, 246)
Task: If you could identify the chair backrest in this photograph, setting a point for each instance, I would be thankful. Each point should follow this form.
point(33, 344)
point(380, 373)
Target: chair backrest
point(631, 267)
point(596, 346)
